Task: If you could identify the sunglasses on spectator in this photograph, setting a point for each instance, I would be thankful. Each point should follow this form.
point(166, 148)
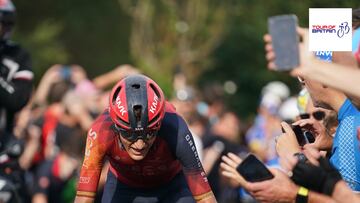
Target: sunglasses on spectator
point(132, 136)
point(318, 115)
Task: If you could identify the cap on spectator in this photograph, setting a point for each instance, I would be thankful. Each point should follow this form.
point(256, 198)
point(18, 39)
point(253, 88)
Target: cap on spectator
point(288, 109)
point(276, 88)
point(271, 102)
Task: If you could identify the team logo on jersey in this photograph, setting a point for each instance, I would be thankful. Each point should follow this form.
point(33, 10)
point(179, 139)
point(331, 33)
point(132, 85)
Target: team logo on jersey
point(92, 135)
point(84, 179)
point(193, 149)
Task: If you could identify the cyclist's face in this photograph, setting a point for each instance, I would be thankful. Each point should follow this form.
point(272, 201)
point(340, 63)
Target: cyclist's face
point(138, 149)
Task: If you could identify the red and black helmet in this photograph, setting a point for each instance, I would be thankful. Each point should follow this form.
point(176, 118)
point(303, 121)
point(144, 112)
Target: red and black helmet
point(137, 104)
point(7, 18)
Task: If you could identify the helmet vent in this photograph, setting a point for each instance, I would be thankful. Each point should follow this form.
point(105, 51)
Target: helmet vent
point(137, 114)
point(115, 94)
point(155, 119)
point(135, 86)
point(155, 90)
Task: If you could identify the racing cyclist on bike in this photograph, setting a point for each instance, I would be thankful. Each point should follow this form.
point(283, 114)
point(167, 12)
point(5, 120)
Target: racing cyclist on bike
point(151, 151)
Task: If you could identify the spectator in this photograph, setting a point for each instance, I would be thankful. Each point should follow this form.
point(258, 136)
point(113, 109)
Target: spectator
point(278, 189)
point(223, 138)
point(260, 137)
point(345, 155)
point(15, 89)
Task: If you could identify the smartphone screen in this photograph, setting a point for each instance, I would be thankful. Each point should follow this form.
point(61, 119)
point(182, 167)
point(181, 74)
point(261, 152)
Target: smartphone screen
point(285, 41)
point(66, 73)
point(309, 137)
point(253, 170)
point(299, 135)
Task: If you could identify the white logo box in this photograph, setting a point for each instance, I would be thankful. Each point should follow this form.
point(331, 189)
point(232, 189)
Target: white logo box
point(330, 29)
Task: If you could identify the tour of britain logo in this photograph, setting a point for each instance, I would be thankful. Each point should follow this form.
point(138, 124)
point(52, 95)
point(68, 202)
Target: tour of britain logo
point(339, 30)
point(330, 29)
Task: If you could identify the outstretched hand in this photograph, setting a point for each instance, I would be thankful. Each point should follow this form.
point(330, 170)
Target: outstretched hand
point(228, 170)
point(305, 55)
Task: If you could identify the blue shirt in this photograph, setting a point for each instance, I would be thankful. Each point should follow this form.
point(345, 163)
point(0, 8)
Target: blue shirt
point(345, 151)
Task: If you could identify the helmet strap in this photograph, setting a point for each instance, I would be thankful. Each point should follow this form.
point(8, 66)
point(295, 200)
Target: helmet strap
point(120, 143)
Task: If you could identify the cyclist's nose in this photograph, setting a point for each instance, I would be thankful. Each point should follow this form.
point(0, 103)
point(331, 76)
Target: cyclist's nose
point(139, 144)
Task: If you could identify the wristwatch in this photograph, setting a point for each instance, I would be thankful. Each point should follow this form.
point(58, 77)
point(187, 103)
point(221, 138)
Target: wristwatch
point(302, 195)
point(301, 157)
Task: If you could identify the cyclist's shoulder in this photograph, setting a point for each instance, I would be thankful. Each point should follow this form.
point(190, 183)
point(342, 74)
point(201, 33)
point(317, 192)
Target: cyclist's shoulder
point(102, 125)
point(14, 53)
point(169, 107)
point(172, 123)
point(171, 118)
point(12, 47)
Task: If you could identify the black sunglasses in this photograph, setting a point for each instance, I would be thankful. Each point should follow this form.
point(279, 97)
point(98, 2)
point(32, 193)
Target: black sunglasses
point(318, 115)
point(132, 136)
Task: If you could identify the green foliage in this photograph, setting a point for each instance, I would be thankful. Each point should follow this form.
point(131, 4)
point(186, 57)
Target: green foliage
point(212, 41)
point(169, 34)
point(241, 56)
point(46, 49)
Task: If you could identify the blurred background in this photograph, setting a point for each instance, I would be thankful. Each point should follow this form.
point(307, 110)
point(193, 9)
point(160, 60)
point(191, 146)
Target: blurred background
point(209, 41)
point(208, 56)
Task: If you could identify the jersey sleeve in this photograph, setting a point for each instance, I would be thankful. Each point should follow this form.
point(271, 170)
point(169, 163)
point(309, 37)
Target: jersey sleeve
point(187, 154)
point(99, 139)
point(16, 78)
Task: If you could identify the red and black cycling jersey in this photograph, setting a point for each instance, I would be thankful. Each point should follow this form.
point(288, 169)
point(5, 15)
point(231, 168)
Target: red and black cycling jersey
point(173, 150)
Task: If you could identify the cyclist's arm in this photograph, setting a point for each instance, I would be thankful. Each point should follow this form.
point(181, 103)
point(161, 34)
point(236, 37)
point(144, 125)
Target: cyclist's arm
point(193, 170)
point(15, 81)
point(96, 145)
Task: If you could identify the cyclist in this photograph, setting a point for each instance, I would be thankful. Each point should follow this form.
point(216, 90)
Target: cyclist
point(15, 74)
point(15, 89)
point(151, 151)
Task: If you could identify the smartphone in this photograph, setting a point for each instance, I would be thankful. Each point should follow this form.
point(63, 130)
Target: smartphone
point(285, 41)
point(253, 170)
point(66, 73)
point(310, 138)
point(303, 137)
point(299, 135)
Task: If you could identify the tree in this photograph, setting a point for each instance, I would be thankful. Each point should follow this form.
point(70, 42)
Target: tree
point(167, 34)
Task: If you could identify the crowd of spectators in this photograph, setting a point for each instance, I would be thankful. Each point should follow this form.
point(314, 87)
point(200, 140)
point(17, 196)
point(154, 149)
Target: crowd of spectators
point(52, 128)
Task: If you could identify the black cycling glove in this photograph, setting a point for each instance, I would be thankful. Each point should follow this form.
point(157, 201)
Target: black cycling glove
point(320, 179)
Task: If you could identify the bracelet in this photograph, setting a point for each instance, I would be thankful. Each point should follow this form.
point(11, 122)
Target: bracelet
point(301, 157)
point(302, 195)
